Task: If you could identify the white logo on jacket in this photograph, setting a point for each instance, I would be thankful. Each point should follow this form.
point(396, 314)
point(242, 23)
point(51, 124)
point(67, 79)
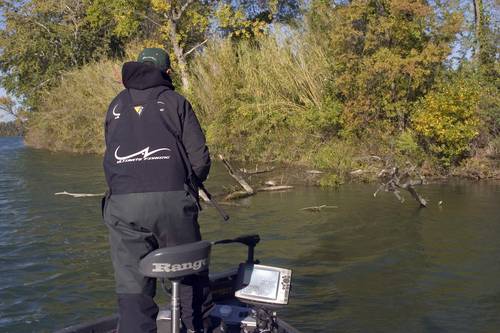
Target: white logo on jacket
point(142, 155)
point(162, 109)
point(116, 114)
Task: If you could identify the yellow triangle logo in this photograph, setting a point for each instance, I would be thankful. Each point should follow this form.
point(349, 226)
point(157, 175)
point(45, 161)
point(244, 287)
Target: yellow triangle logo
point(139, 109)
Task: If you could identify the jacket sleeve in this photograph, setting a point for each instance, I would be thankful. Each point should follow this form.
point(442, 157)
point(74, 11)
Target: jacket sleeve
point(194, 142)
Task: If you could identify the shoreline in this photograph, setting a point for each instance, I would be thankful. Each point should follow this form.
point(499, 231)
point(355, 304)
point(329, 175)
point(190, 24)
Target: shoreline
point(297, 172)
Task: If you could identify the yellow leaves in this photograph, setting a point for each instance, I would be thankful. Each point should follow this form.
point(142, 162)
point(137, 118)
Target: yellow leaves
point(410, 7)
point(152, 43)
point(238, 24)
point(161, 6)
point(447, 119)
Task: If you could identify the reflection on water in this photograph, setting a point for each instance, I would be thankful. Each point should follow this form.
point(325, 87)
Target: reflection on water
point(371, 265)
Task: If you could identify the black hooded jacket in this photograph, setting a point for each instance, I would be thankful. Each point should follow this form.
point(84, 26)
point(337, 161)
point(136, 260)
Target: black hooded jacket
point(142, 154)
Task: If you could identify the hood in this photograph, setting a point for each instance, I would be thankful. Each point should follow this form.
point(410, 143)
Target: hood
point(137, 75)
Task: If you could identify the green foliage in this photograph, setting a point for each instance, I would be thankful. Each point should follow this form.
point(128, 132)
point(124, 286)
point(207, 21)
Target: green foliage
point(236, 24)
point(41, 39)
point(190, 29)
point(330, 180)
point(489, 100)
point(447, 120)
point(384, 56)
point(408, 149)
point(121, 18)
point(359, 78)
point(250, 19)
point(335, 155)
point(406, 143)
point(495, 148)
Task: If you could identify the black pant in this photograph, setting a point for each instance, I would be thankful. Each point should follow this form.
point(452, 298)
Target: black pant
point(139, 223)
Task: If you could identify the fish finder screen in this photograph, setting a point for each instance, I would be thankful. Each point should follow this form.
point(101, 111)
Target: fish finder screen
point(263, 283)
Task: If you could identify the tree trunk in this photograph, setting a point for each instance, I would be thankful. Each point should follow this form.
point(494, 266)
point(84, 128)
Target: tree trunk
point(478, 5)
point(179, 54)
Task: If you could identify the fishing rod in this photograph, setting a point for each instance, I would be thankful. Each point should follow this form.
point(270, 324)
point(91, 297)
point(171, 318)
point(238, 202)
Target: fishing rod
point(193, 181)
point(219, 209)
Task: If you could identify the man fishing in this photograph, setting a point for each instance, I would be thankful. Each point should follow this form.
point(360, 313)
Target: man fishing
point(154, 149)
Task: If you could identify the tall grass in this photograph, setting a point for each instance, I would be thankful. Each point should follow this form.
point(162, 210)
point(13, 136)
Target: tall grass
point(265, 100)
point(71, 117)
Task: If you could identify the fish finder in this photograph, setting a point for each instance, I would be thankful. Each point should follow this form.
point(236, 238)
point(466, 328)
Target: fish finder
point(263, 284)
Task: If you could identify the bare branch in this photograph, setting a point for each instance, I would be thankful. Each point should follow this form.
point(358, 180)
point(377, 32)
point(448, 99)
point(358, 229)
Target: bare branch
point(395, 180)
point(248, 189)
point(8, 105)
point(194, 48)
point(150, 19)
point(178, 14)
point(41, 25)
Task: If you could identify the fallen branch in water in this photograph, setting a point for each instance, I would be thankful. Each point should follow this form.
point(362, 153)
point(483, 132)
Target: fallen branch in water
point(248, 189)
point(256, 171)
point(80, 195)
point(202, 194)
point(275, 188)
point(238, 195)
point(396, 181)
point(318, 208)
point(314, 172)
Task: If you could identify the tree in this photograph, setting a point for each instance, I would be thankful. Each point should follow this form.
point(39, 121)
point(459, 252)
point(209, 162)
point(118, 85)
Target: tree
point(41, 39)
point(187, 24)
point(8, 105)
point(485, 49)
point(385, 55)
point(247, 19)
point(183, 26)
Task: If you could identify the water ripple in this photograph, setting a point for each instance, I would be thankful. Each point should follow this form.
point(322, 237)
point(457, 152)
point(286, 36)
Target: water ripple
point(371, 265)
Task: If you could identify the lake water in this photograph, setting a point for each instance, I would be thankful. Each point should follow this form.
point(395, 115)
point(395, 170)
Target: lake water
point(369, 265)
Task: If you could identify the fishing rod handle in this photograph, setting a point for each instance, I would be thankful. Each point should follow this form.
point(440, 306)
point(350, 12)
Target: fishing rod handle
point(221, 212)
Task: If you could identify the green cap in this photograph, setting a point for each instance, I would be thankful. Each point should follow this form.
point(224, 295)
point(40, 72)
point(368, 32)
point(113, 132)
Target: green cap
point(158, 57)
